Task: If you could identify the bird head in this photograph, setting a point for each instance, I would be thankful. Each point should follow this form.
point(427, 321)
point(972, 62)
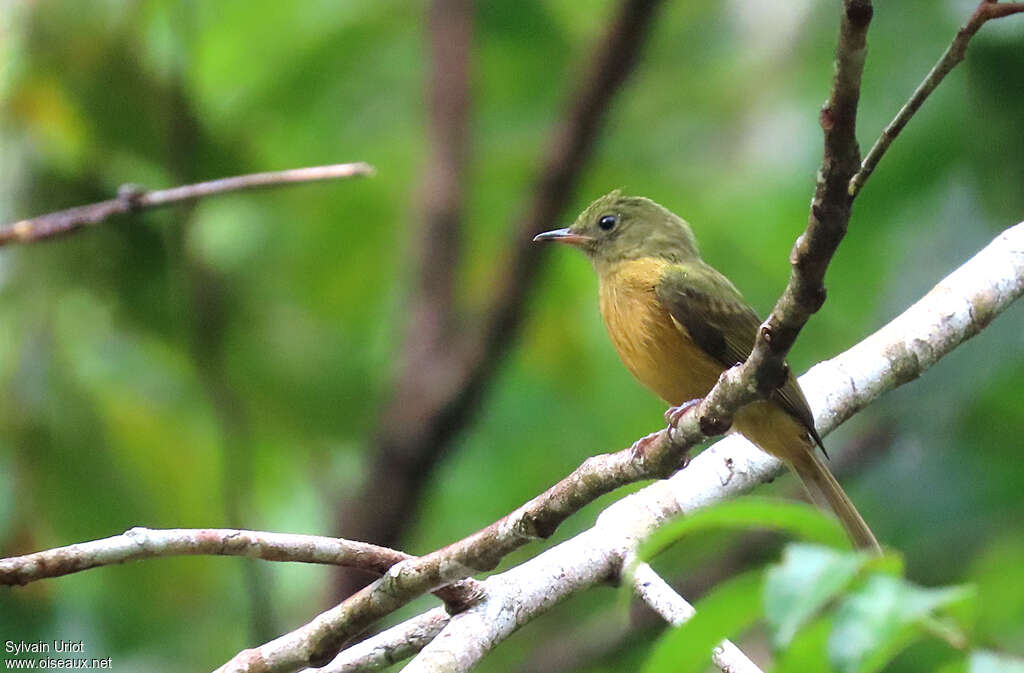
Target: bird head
point(616, 228)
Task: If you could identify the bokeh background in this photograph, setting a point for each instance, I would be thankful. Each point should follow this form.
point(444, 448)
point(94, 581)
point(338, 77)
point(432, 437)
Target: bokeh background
point(227, 363)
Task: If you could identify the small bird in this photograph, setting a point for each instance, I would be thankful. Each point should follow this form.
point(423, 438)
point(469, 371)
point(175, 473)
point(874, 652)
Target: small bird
point(677, 324)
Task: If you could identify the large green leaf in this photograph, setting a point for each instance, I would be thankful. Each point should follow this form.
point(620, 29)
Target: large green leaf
point(808, 577)
point(885, 615)
point(795, 518)
point(808, 650)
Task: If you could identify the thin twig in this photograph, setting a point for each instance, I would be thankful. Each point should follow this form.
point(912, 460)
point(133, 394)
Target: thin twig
point(954, 54)
point(132, 198)
point(389, 646)
point(954, 311)
point(676, 610)
point(765, 369)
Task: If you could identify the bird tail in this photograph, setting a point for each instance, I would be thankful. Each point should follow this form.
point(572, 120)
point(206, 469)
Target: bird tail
point(825, 491)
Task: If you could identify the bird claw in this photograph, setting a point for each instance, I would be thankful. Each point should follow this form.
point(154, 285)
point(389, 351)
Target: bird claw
point(674, 414)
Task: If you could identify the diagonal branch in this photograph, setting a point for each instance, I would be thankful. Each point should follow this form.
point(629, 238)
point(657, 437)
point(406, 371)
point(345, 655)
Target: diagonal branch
point(614, 58)
point(585, 645)
point(813, 250)
point(131, 198)
point(954, 311)
point(954, 54)
point(401, 641)
point(437, 395)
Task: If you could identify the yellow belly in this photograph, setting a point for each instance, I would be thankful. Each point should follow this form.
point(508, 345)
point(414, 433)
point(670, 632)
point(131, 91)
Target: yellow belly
point(658, 352)
point(661, 355)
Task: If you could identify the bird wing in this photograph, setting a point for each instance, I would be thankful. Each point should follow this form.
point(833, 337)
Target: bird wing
point(712, 312)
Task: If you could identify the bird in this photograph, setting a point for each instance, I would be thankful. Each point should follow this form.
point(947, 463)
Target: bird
point(677, 324)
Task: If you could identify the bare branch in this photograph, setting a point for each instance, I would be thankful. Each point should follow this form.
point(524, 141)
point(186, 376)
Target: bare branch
point(143, 543)
point(954, 311)
point(390, 646)
point(451, 32)
point(132, 198)
point(829, 216)
point(954, 54)
point(675, 610)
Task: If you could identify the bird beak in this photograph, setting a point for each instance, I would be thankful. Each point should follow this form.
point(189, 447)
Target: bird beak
point(562, 236)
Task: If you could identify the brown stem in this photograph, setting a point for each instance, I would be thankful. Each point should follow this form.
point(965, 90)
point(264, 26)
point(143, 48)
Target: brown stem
point(954, 54)
point(830, 207)
point(142, 543)
point(131, 198)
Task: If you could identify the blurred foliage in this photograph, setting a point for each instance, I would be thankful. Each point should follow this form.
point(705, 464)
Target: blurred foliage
point(225, 362)
point(827, 608)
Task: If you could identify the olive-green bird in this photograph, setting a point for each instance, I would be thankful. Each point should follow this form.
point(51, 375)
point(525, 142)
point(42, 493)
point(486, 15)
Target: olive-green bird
point(678, 324)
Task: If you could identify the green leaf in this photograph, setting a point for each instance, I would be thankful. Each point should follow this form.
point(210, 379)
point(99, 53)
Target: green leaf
point(807, 578)
point(985, 661)
point(808, 651)
point(798, 519)
point(885, 615)
point(957, 665)
point(729, 609)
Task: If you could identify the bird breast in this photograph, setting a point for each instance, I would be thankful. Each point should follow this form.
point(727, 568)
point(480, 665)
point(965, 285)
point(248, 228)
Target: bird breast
point(656, 349)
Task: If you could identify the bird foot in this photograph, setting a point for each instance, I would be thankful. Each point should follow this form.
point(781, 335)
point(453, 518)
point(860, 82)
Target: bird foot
point(674, 414)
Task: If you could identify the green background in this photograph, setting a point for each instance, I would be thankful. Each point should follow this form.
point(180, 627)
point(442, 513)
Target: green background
point(116, 342)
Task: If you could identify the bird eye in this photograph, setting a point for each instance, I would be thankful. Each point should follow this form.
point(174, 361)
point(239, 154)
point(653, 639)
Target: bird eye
point(607, 222)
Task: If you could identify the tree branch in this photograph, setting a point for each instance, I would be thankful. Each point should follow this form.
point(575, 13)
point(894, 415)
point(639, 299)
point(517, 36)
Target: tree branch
point(954, 54)
point(143, 543)
point(826, 227)
point(954, 311)
point(390, 646)
point(676, 610)
point(132, 198)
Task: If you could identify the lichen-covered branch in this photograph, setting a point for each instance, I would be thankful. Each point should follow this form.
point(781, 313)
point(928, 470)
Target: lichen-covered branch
point(132, 198)
point(954, 311)
point(142, 543)
point(954, 54)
